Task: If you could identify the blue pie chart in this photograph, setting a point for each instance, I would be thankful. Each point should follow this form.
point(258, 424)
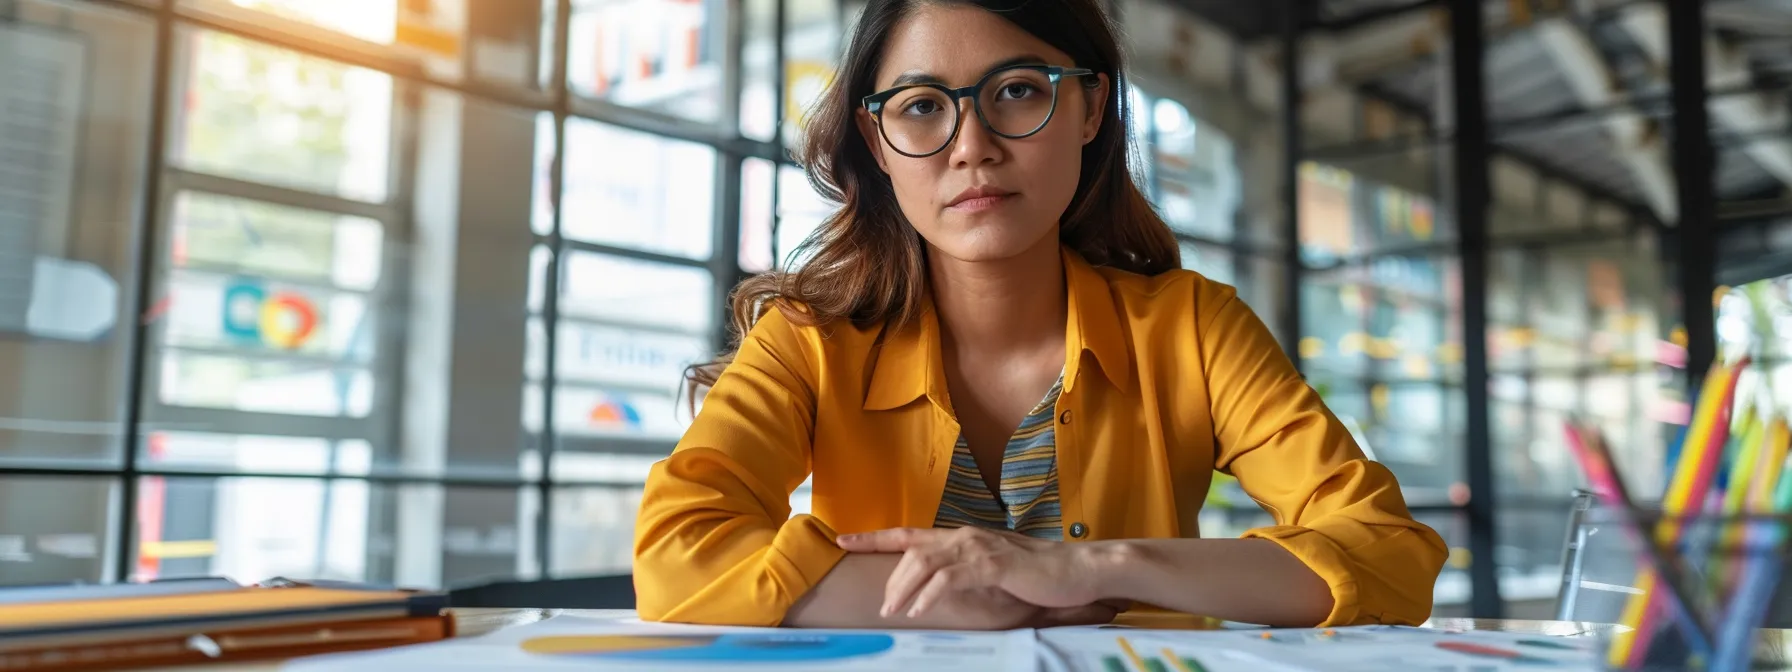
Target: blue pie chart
point(746, 648)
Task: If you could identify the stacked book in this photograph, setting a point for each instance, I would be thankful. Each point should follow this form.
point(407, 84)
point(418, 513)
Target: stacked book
point(200, 621)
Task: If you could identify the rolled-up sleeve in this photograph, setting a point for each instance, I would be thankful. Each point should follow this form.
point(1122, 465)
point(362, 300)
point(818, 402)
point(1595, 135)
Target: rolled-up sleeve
point(714, 540)
point(1338, 512)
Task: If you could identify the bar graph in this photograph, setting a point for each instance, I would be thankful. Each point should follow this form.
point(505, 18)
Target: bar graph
point(1133, 661)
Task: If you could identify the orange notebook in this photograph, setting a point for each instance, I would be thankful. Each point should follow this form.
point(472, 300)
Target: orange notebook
point(33, 624)
point(233, 646)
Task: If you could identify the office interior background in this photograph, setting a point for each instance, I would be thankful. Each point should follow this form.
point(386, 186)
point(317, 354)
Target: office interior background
point(402, 290)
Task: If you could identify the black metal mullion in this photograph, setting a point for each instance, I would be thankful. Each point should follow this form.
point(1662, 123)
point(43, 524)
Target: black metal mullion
point(724, 262)
point(779, 103)
point(325, 477)
point(548, 437)
point(148, 218)
point(1470, 158)
point(1289, 314)
point(1693, 167)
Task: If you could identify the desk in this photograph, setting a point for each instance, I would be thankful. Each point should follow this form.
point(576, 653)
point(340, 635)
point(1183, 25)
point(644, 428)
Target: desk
point(475, 622)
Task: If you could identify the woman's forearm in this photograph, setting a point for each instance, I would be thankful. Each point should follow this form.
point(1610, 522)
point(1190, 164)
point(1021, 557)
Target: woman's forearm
point(851, 595)
point(848, 597)
point(1246, 580)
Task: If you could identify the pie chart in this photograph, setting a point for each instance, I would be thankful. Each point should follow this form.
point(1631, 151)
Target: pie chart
point(755, 648)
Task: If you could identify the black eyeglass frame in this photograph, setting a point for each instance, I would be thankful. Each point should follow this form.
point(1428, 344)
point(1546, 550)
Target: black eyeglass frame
point(874, 103)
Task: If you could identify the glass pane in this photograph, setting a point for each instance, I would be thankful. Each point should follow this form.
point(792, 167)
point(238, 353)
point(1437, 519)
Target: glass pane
point(259, 113)
point(1450, 595)
point(1260, 286)
point(541, 215)
point(53, 529)
point(227, 234)
point(264, 385)
point(258, 454)
point(1326, 230)
point(811, 43)
point(252, 529)
point(1416, 429)
point(661, 199)
point(622, 291)
point(800, 212)
point(507, 42)
point(586, 412)
point(78, 89)
point(1198, 185)
point(758, 57)
point(1529, 554)
point(242, 314)
point(1395, 316)
point(658, 55)
point(1345, 212)
point(594, 530)
point(756, 215)
point(1138, 125)
point(1334, 321)
point(1211, 261)
point(594, 353)
point(374, 21)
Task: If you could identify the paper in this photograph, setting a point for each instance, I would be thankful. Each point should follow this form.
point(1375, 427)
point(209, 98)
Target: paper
point(571, 642)
point(1368, 648)
point(43, 75)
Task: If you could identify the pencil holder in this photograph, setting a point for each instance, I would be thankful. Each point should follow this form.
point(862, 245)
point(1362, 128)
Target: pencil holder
point(1704, 592)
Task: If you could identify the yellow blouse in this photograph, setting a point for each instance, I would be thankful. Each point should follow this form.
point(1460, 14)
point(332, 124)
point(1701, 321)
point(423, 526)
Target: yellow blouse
point(1167, 379)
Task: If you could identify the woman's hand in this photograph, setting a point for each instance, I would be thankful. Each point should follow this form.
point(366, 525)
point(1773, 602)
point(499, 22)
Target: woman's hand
point(940, 566)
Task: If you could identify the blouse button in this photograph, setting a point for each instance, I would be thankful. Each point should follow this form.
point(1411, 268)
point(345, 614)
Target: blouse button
point(1064, 418)
point(1078, 530)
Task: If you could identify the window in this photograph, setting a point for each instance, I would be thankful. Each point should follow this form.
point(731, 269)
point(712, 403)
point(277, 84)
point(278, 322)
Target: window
point(1196, 175)
point(657, 55)
point(375, 21)
point(622, 291)
point(660, 199)
point(263, 114)
point(63, 540)
point(801, 212)
point(756, 254)
point(67, 265)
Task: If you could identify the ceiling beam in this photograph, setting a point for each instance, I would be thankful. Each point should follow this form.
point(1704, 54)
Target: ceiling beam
point(1373, 16)
point(1725, 67)
point(1543, 169)
point(1633, 139)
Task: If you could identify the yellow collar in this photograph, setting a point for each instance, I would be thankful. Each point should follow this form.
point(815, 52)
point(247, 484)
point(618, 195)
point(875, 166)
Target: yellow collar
point(909, 363)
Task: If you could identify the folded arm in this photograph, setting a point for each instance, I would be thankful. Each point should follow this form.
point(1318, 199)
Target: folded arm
point(1337, 513)
point(714, 541)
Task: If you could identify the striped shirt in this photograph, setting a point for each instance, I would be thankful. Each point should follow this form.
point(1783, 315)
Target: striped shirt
point(1029, 489)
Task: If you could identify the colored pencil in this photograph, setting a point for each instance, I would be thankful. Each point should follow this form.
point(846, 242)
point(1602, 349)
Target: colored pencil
point(1608, 484)
point(1691, 491)
point(1760, 576)
point(1746, 455)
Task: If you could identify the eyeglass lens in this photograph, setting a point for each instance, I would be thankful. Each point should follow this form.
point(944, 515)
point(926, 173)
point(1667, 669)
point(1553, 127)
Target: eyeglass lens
point(1015, 103)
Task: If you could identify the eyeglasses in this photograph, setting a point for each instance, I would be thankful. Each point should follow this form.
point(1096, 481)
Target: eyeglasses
point(919, 120)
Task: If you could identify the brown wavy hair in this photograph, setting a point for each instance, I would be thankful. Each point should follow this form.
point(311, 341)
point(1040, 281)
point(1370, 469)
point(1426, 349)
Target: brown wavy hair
point(866, 263)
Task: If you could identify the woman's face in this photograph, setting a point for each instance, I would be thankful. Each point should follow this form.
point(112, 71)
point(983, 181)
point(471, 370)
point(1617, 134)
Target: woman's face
point(983, 197)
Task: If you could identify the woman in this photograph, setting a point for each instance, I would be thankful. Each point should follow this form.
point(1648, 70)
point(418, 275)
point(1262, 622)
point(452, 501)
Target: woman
point(993, 268)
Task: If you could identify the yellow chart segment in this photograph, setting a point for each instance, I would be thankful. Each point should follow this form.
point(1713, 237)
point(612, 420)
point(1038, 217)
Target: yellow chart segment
point(614, 643)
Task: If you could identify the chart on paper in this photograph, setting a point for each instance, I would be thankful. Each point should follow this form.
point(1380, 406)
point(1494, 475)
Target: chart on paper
point(1364, 648)
point(573, 643)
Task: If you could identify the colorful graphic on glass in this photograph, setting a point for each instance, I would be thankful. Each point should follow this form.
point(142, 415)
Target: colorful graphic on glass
point(284, 320)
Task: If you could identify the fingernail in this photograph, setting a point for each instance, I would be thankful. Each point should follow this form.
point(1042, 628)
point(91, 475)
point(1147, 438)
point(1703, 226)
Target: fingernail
point(884, 612)
point(914, 611)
